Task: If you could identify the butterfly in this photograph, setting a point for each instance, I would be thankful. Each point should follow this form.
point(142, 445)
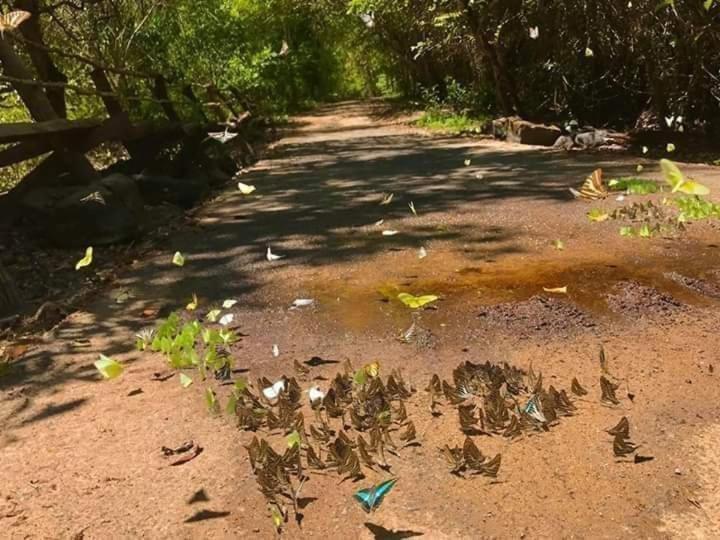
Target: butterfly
point(608, 391)
point(387, 199)
point(622, 446)
point(270, 256)
point(13, 19)
point(678, 182)
point(285, 49)
point(371, 498)
point(222, 136)
point(534, 410)
point(577, 388)
point(593, 188)
point(622, 428)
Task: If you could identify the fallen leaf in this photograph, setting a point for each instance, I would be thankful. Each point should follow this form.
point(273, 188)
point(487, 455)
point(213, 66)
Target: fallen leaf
point(86, 260)
point(135, 392)
point(556, 290)
point(108, 367)
point(194, 452)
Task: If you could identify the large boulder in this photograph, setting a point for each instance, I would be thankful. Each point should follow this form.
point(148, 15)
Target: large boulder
point(182, 192)
point(105, 212)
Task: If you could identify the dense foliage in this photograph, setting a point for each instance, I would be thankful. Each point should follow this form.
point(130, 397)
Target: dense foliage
point(598, 61)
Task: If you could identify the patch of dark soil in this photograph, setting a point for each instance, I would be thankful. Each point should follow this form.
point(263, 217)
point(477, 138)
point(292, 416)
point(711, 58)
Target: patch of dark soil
point(700, 286)
point(635, 300)
point(538, 314)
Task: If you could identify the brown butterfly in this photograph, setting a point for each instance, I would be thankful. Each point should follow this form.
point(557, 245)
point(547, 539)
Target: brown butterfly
point(593, 188)
point(608, 391)
point(622, 428)
point(364, 452)
point(577, 388)
point(410, 436)
point(492, 467)
point(13, 19)
point(622, 446)
point(472, 455)
point(514, 429)
point(314, 462)
point(454, 457)
point(302, 370)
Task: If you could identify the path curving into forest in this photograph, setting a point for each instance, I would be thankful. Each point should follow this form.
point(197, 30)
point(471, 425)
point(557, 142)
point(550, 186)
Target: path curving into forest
point(81, 455)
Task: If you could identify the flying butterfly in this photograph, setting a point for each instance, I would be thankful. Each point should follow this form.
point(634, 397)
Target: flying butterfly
point(13, 19)
point(593, 188)
point(371, 498)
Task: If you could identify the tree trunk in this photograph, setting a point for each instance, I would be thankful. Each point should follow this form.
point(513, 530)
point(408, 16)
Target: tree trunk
point(44, 65)
point(505, 88)
point(192, 98)
point(40, 108)
point(9, 297)
point(160, 92)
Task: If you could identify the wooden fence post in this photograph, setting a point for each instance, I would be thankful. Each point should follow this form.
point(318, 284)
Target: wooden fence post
point(40, 108)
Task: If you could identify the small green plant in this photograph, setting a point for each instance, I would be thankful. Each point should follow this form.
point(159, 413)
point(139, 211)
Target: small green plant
point(450, 122)
point(191, 345)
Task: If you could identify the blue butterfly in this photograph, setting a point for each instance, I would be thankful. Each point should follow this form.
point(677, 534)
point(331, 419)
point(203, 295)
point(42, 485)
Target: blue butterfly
point(371, 498)
point(534, 409)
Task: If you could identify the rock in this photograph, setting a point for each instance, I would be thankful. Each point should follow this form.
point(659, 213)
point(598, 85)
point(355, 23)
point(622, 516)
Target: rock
point(515, 129)
point(565, 142)
point(525, 132)
point(104, 212)
point(183, 192)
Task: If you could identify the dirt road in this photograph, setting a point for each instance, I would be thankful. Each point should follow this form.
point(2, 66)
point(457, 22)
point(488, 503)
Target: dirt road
point(81, 458)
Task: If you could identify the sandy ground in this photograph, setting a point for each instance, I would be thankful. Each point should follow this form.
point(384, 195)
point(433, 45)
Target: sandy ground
point(82, 459)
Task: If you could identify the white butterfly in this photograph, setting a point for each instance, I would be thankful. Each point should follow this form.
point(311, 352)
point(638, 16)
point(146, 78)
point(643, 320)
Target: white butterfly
point(226, 319)
point(589, 52)
point(222, 136)
point(245, 189)
point(270, 256)
point(227, 304)
point(669, 120)
point(315, 394)
point(275, 350)
point(272, 392)
point(411, 205)
point(389, 232)
point(534, 32)
point(387, 199)
point(285, 49)
point(302, 302)
point(13, 19)
point(645, 149)
point(422, 253)
point(379, 222)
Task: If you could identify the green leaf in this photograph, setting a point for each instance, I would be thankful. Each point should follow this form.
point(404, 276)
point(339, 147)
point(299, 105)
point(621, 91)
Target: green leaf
point(108, 367)
point(293, 439)
point(211, 400)
point(86, 260)
point(185, 381)
point(415, 302)
point(178, 259)
point(597, 215)
point(558, 244)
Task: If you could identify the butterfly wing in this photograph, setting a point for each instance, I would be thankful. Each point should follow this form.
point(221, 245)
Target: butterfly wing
point(13, 19)
point(381, 490)
point(366, 498)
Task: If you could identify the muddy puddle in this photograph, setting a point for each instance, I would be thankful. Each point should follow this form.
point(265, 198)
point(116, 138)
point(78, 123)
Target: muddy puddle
point(600, 285)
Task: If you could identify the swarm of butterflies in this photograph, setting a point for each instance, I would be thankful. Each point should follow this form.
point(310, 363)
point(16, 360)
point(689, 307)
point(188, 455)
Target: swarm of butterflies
point(355, 424)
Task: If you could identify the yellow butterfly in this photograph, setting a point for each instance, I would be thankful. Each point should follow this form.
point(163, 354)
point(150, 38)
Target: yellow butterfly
point(678, 182)
point(593, 188)
point(13, 19)
point(373, 369)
